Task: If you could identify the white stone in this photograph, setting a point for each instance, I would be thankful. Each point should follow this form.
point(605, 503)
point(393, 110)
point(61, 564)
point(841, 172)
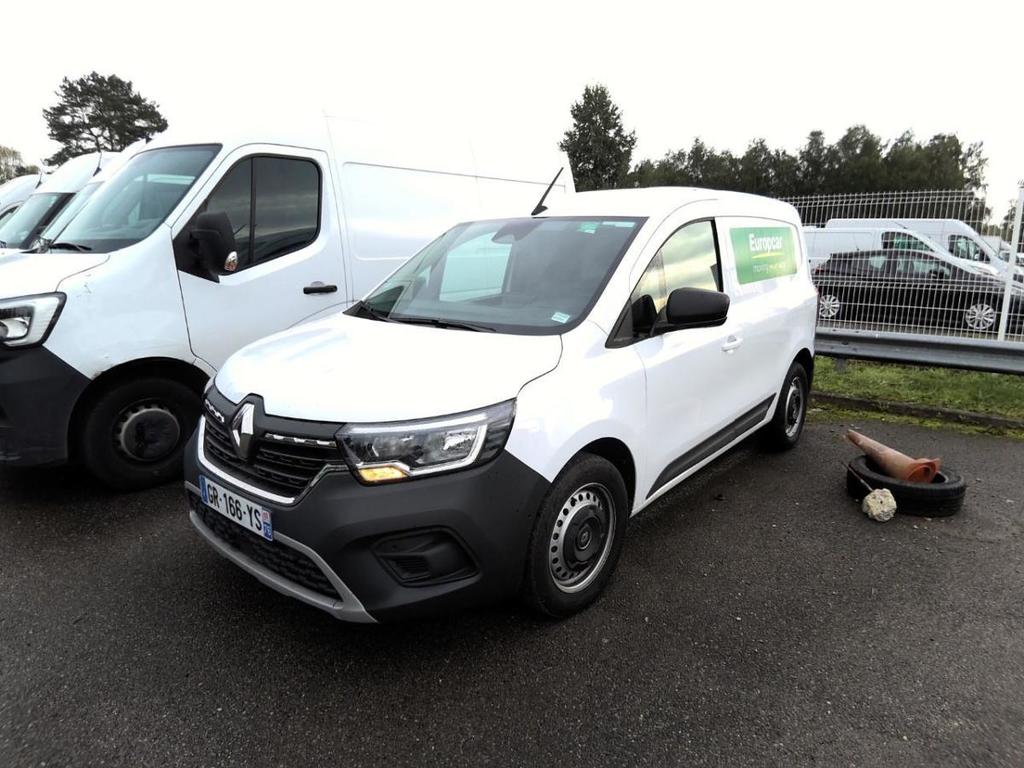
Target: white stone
point(879, 505)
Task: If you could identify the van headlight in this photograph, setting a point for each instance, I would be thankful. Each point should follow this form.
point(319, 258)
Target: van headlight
point(390, 451)
point(27, 320)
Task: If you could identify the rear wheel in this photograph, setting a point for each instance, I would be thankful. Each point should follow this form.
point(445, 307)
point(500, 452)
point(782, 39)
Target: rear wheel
point(829, 306)
point(134, 435)
point(786, 426)
point(577, 538)
point(980, 315)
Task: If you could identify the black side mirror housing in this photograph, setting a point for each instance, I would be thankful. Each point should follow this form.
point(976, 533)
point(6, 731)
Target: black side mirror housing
point(215, 238)
point(645, 315)
point(695, 308)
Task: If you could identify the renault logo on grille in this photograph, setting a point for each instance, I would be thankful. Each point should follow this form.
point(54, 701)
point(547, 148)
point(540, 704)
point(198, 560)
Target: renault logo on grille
point(242, 431)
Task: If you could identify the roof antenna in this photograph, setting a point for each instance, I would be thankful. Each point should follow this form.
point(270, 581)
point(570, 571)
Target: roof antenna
point(99, 162)
point(540, 208)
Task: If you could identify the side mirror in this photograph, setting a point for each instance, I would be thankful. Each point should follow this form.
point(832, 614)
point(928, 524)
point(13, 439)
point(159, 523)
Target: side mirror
point(215, 238)
point(645, 315)
point(695, 308)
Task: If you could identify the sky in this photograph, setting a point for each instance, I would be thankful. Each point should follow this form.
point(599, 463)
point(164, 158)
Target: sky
point(725, 71)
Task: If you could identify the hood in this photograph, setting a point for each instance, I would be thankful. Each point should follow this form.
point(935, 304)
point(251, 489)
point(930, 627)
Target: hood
point(25, 274)
point(350, 369)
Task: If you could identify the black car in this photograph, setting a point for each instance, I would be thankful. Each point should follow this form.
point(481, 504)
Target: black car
point(909, 288)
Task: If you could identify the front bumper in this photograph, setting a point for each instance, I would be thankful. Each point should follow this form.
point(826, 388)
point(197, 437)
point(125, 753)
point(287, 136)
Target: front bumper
point(472, 526)
point(38, 392)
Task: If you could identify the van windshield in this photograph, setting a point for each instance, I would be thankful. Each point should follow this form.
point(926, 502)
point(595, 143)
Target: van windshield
point(67, 214)
point(129, 207)
point(21, 228)
point(530, 276)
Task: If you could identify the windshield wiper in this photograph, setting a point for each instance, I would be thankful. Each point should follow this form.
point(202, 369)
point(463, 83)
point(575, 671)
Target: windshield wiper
point(439, 323)
point(70, 247)
point(373, 314)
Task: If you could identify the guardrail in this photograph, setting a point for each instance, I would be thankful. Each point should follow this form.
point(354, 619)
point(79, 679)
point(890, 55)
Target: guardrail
point(922, 349)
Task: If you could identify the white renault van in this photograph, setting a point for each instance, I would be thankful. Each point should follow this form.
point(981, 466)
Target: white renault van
point(202, 243)
point(16, 191)
point(485, 421)
point(20, 231)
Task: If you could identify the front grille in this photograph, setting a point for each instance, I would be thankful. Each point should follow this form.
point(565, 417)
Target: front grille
point(282, 560)
point(282, 464)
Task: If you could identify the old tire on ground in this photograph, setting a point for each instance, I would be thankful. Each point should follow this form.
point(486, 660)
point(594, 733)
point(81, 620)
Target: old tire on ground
point(577, 537)
point(943, 497)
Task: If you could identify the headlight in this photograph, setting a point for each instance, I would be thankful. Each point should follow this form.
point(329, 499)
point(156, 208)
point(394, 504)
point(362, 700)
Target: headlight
point(27, 320)
point(391, 451)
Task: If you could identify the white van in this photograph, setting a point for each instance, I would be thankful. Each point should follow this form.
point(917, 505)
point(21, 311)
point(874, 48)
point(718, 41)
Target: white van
point(485, 421)
point(200, 244)
point(16, 191)
point(952, 235)
point(20, 231)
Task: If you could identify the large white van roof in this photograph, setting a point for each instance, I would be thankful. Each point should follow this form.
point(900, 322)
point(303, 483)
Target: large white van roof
point(659, 202)
point(75, 173)
point(18, 188)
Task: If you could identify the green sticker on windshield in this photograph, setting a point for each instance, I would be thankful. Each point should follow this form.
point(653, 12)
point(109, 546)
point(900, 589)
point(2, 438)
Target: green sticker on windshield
point(763, 253)
point(590, 227)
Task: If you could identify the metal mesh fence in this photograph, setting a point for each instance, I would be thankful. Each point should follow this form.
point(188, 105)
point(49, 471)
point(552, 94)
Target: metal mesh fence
point(938, 263)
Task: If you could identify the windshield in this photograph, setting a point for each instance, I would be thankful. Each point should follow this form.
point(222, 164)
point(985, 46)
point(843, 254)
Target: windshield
point(533, 276)
point(35, 213)
point(67, 214)
point(129, 207)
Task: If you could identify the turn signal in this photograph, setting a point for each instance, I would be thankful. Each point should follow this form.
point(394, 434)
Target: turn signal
point(381, 474)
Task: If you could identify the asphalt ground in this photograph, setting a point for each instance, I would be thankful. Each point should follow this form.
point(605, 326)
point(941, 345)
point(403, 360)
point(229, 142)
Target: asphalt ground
point(756, 618)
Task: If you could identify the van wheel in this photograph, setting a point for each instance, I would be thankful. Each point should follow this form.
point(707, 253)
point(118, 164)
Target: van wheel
point(577, 538)
point(786, 426)
point(135, 434)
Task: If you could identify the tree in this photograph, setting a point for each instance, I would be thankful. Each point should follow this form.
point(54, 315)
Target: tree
point(11, 164)
point(598, 146)
point(99, 114)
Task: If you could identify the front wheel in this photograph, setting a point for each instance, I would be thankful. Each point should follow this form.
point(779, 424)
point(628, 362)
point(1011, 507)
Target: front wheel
point(577, 538)
point(785, 428)
point(980, 316)
point(134, 435)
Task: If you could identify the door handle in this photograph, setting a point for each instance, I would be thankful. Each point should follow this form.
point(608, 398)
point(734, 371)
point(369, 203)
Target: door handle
point(319, 287)
point(731, 343)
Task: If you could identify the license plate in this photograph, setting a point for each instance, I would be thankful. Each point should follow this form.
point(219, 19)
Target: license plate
point(238, 510)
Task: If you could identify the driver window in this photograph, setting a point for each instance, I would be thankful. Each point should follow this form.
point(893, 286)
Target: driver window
point(688, 259)
point(233, 196)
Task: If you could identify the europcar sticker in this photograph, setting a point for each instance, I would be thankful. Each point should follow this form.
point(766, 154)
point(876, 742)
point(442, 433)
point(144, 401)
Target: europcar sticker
point(763, 253)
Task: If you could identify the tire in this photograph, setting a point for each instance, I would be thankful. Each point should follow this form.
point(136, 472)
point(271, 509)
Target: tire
point(784, 430)
point(829, 306)
point(943, 497)
point(135, 433)
point(980, 316)
point(558, 585)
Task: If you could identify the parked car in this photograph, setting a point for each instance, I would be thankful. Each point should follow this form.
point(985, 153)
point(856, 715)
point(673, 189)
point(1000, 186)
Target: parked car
point(485, 421)
point(1003, 248)
point(822, 242)
point(953, 235)
point(16, 191)
point(911, 289)
point(202, 243)
point(20, 231)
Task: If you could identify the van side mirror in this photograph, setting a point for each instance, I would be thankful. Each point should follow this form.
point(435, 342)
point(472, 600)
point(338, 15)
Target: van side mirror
point(695, 308)
point(213, 234)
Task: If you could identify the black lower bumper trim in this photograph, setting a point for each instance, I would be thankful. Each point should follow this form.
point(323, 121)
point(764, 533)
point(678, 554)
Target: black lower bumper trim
point(485, 516)
point(38, 393)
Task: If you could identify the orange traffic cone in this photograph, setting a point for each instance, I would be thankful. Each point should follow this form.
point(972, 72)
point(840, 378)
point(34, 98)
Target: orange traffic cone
point(893, 463)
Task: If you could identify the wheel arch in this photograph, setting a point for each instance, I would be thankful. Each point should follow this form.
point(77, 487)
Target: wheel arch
point(806, 359)
point(165, 367)
point(617, 453)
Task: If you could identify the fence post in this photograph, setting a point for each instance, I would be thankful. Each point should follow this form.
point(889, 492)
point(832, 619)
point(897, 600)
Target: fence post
point(1011, 270)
